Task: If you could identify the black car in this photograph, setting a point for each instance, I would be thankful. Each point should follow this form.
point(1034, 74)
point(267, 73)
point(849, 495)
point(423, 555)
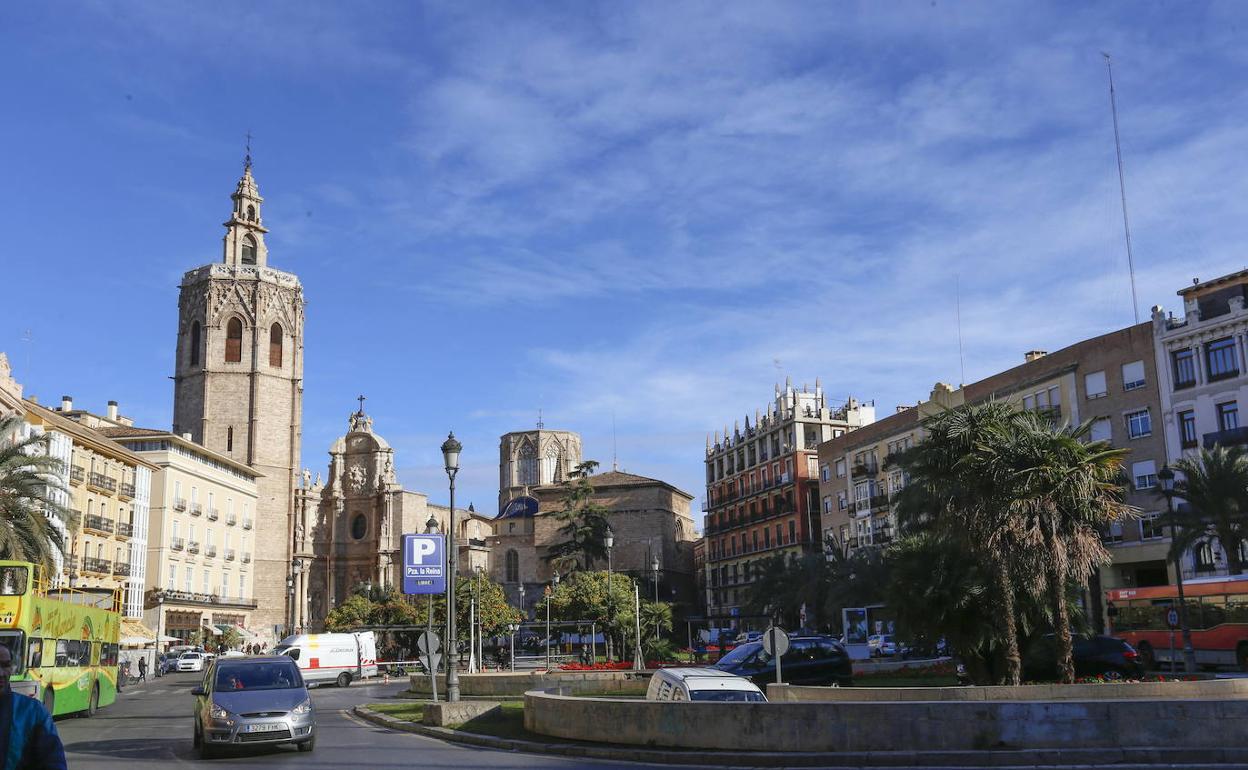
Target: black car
point(1093, 656)
point(810, 660)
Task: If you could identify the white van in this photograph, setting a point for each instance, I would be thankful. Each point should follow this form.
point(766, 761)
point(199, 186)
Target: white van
point(337, 658)
point(702, 684)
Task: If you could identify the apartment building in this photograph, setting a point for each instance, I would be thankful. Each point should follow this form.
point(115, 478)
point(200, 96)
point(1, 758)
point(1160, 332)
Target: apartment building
point(201, 536)
point(762, 488)
point(1110, 380)
point(109, 489)
point(1200, 360)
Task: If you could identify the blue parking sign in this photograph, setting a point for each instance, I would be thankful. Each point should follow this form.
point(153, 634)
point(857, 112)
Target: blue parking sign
point(424, 564)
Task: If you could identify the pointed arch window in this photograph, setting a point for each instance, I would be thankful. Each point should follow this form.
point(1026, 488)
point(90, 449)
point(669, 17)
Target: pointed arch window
point(528, 466)
point(195, 343)
point(251, 213)
point(513, 566)
point(249, 250)
point(234, 341)
point(275, 345)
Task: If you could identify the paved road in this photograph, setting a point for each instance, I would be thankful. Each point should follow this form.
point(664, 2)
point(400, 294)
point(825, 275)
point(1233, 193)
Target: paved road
point(151, 726)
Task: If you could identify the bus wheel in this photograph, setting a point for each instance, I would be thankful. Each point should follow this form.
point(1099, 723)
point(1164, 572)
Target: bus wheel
point(49, 699)
point(344, 679)
point(1147, 657)
point(93, 703)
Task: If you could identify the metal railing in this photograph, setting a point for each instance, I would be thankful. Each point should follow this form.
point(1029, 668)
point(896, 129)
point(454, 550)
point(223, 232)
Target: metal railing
point(179, 504)
point(77, 474)
point(121, 569)
point(212, 514)
point(1231, 437)
point(126, 490)
point(197, 509)
point(192, 546)
point(125, 529)
point(98, 524)
point(101, 481)
point(229, 554)
point(246, 558)
point(177, 543)
point(92, 564)
point(211, 551)
point(246, 523)
point(231, 519)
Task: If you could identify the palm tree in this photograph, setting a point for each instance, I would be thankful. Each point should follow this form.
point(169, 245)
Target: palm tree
point(33, 525)
point(1216, 490)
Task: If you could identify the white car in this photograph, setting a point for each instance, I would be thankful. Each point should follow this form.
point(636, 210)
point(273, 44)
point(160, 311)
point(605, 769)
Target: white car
point(888, 646)
point(192, 661)
point(702, 684)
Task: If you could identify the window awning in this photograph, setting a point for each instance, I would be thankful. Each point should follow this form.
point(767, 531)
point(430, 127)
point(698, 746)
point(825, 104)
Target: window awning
point(247, 635)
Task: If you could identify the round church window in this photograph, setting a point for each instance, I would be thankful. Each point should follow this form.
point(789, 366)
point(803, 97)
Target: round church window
point(359, 526)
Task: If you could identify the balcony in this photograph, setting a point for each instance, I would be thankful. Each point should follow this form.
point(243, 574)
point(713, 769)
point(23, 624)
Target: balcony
point(125, 529)
point(213, 515)
point(210, 551)
point(102, 482)
point(865, 469)
point(197, 509)
point(126, 490)
point(121, 570)
point(179, 504)
point(231, 519)
point(246, 558)
point(192, 546)
point(1232, 437)
point(177, 543)
point(879, 502)
point(77, 474)
point(101, 566)
point(246, 523)
point(98, 525)
point(169, 596)
point(229, 554)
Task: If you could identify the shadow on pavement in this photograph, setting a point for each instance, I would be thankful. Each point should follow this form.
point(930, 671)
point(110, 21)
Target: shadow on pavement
point(147, 748)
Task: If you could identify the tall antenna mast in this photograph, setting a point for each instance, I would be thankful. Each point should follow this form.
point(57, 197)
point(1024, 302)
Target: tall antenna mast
point(615, 457)
point(957, 294)
point(1122, 186)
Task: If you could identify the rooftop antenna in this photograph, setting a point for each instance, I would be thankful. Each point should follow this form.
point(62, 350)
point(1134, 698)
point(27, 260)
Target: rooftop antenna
point(1122, 185)
point(957, 295)
point(615, 457)
point(540, 424)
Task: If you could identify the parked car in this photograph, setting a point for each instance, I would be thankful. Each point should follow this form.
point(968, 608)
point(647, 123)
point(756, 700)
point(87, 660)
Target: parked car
point(888, 646)
point(253, 701)
point(810, 660)
point(191, 661)
point(702, 684)
point(341, 658)
point(748, 636)
point(1093, 656)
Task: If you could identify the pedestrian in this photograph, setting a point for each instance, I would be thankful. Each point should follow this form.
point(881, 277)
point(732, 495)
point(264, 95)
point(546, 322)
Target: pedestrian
point(143, 669)
point(28, 736)
point(123, 674)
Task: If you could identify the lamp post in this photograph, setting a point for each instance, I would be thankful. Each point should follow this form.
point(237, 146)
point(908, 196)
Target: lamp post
point(609, 541)
point(654, 567)
point(450, 455)
point(1166, 475)
point(512, 628)
point(549, 591)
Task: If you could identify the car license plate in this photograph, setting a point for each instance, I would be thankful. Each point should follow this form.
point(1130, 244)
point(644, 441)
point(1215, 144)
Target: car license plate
point(265, 727)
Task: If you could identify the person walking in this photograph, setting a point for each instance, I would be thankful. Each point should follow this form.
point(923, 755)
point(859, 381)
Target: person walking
point(28, 737)
point(143, 669)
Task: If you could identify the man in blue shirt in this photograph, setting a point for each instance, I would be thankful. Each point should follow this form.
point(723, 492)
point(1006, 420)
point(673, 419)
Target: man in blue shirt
point(28, 737)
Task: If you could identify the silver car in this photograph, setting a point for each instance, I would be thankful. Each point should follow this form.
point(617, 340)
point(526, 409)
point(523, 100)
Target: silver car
point(249, 701)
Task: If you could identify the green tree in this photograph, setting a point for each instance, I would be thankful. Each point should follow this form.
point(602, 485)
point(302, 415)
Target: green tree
point(584, 596)
point(823, 582)
point(584, 524)
point(656, 620)
point(29, 482)
point(230, 638)
point(1215, 488)
point(355, 612)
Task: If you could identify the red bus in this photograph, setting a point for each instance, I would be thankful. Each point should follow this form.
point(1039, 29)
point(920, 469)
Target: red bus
point(1217, 613)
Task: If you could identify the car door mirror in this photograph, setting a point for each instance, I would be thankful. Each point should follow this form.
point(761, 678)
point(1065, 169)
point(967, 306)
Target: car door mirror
point(198, 691)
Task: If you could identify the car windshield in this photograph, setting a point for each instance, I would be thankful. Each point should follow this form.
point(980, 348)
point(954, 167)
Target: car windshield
point(727, 695)
point(267, 675)
point(740, 655)
point(190, 655)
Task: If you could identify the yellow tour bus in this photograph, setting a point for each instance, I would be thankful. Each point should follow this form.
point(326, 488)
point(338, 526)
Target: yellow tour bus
point(64, 641)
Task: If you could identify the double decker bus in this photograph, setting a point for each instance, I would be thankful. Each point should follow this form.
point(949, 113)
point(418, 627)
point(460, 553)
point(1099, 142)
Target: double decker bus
point(64, 641)
point(1217, 614)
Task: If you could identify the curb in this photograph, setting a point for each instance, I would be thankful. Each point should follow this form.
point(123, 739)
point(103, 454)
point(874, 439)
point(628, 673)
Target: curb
point(1120, 759)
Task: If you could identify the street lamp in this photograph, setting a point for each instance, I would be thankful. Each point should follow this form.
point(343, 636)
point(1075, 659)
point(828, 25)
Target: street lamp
point(654, 567)
point(296, 569)
point(450, 455)
point(1166, 475)
point(512, 628)
point(609, 541)
point(549, 591)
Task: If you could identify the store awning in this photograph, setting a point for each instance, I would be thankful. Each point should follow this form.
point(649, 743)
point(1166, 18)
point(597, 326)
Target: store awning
point(247, 635)
point(135, 634)
point(214, 630)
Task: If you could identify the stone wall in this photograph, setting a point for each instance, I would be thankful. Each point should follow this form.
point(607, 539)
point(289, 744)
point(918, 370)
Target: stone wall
point(1212, 688)
point(516, 685)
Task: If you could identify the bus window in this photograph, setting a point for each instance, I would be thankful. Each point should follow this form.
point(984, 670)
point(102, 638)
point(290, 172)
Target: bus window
point(62, 653)
point(13, 581)
point(35, 653)
point(13, 640)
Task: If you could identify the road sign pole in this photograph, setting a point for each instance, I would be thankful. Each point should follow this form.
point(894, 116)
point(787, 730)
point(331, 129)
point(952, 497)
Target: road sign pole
point(775, 646)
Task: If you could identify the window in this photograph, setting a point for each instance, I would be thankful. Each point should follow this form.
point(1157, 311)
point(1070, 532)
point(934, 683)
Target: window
point(242, 585)
point(62, 652)
point(229, 439)
point(827, 503)
point(1114, 533)
point(1220, 359)
point(251, 213)
point(234, 341)
point(188, 577)
point(528, 466)
point(225, 584)
point(824, 473)
point(1139, 424)
point(840, 468)
point(194, 343)
point(173, 576)
point(35, 657)
point(1145, 474)
point(1187, 429)
point(359, 526)
point(1184, 362)
point(1133, 376)
point(513, 566)
point(249, 250)
point(1094, 385)
point(275, 345)
point(1228, 415)
point(792, 531)
point(207, 581)
point(1151, 527)
point(1102, 430)
point(841, 500)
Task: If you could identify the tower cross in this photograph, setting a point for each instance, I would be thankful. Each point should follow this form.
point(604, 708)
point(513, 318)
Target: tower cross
point(247, 158)
point(361, 400)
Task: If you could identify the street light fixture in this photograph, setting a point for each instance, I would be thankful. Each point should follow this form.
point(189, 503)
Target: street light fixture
point(512, 628)
point(549, 590)
point(450, 455)
point(654, 567)
point(609, 541)
point(1166, 476)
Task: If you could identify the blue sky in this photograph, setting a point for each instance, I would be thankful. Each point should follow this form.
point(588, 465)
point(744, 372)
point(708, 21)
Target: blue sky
point(633, 213)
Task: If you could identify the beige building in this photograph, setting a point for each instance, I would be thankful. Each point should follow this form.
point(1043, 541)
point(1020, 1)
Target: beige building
point(10, 391)
point(201, 536)
point(238, 384)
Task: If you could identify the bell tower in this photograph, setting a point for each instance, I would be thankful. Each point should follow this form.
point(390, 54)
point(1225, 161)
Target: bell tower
point(238, 383)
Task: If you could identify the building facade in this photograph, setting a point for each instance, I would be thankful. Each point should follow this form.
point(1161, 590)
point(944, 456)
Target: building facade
point(10, 391)
point(762, 488)
point(535, 458)
point(238, 383)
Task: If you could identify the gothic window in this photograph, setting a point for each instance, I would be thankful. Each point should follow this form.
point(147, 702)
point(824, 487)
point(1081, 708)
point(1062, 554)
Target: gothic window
point(550, 466)
point(275, 345)
point(234, 341)
point(251, 213)
point(359, 526)
point(249, 250)
point(229, 439)
point(194, 343)
point(528, 466)
point(513, 566)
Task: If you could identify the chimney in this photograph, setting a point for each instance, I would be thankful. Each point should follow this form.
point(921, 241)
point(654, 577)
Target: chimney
point(1033, 355)
point(186, 436)
point(67, 403)
point(112, 411)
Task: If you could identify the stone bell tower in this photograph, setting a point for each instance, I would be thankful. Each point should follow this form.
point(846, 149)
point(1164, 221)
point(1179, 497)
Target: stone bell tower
point(238, 382)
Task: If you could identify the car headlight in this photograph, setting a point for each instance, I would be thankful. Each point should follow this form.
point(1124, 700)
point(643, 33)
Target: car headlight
point(302, 708)
point(219, 713)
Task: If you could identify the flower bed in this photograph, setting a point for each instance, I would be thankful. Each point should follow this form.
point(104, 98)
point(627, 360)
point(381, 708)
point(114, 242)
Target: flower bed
point(620, 665)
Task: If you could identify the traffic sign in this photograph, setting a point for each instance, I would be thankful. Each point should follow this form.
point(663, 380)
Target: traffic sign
point(428, 641)
point(776, 641)
point(1172, 618)
point(424, 565)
